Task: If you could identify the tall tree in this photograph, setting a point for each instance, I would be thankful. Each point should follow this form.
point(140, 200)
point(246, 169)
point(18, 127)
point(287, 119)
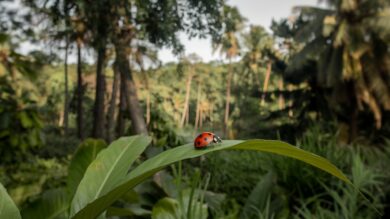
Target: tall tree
point(157, 22)
point(79, 33)
point(66, 102)
point(145, 53)
point(257, 45)
point(348, 46)
point(142, 20)
point(197, 114)
point(99, 22)
point(121, 123)
point(80, 91)
point(122, 49)
point(65, 21)
point(189, 63)
point(112, 106)
point(229, 45)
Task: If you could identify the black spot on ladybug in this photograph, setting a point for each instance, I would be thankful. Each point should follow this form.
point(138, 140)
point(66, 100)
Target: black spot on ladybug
point(198, 142)
point(205, 139)
point(209, 133)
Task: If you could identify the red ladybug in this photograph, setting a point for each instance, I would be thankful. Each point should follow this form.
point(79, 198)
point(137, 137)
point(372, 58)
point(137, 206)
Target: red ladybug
point(205, 139)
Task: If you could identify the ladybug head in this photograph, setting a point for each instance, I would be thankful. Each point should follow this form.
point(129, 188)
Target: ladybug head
point(217, 139)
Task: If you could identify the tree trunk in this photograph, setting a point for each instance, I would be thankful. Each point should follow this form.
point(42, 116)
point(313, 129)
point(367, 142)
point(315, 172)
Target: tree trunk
point(61, 119)
point(111, 110)
point(197, 108)
point(136, 114)
point(146, 82)
point(147, 98)
point(281, 98)
point(66, 104)
point(227, 105)
point(138, 123)
point(98, 113)
point(80, 94)
point(187, 100)
point(200, 118)
point(148, 108)
point(187, 116)
point(290, 102)
point(266, 81)
point(122, 108)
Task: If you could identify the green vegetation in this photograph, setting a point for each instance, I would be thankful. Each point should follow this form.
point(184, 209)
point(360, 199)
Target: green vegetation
point(105, 179)
point(94, 125)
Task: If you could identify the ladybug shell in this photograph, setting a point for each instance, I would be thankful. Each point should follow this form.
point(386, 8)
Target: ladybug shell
point(203, 140)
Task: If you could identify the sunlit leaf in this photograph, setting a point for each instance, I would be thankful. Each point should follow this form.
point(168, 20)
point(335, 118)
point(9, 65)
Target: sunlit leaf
point(108, 170)
point(154, 164)
point(85, 154)
point(166, 208)
point(8, 208)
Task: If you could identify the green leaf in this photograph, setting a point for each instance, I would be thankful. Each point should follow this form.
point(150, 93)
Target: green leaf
point(214, 200)
point(107, 171)
point(169, 208)
point(52, 204)
point(8, 208)
point(128, 211)
point(25, 120)
point(120, 212)
point(154, 164)
point(190, 201)
point(85, 154)
point(166, 208)
point(258, 197)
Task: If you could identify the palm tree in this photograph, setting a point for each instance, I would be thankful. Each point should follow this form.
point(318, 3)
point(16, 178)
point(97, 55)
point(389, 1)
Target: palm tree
point(229, 45)
point(79, 35)
point(64, 23)
point(260, 51)
point(144, 52)
point(112, 104)
point(80, 89)
point(349, 46)
point(198, 108)
point(190, 62)
point(99, 22)
point(66, 101)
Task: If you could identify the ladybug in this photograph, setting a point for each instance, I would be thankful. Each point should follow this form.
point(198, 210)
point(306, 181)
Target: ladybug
point(205, 139)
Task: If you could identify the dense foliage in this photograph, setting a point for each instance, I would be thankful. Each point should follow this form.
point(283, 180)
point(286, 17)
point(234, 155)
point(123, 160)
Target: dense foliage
point(319, 80)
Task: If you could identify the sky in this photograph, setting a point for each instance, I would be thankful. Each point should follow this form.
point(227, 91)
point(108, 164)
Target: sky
point(258, 12)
